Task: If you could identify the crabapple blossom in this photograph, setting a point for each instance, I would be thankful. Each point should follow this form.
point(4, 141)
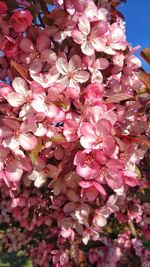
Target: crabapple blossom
point(21, 20)
point(71, 73)
point(89, 38)
point(74, 128)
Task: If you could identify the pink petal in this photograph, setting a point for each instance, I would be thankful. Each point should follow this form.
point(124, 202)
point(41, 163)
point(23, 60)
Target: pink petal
point(97, 77)
point(53, 171)
point(84, 171)
point(84, 25)
point(85, 184)
point(13, 173)
point(109, 142)
point(99, 44)
point(28, 141)
point(64, 82)
point(12, 123)
point(101, 63)
point(20, 86)
point(74, 63)
point(24, 163)
point(26, 45)
point(5, 132)
point(99, 29)
point(81, 76)
point(99, 188)
point(36, 66)
point(11, 142)
point(49, 56)
point(15, 100)
point(88, 48)
point(42, 42)
point(62, 66)
point(39, 105)
point(131, 181)
point(88, 141)
point(103, 127)
point(78, 37)
point(86, 128)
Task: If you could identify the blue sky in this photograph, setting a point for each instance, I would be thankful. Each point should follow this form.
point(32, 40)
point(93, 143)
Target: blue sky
point(137, 17)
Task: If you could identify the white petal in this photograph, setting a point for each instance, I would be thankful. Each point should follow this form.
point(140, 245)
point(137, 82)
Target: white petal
point(62, 66)
point(20, 86)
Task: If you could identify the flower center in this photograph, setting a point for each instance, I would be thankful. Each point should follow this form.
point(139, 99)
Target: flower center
point(17, 133)
point(88, 159)
point(99, 140)
point(70, 75)
point(35, 55)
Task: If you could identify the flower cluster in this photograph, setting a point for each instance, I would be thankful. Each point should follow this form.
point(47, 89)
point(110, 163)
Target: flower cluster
point(73, 133)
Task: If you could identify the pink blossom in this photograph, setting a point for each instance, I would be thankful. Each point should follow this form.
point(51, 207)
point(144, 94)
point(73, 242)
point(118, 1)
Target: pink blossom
point(94, 92)
point(96, 136)
point(115, 40)
point(21, 20)
point(10, 47)
point(112, 174)
point(21, 95)
point(90, 38)
point(40, 173)
point(36, 55)
point(15, 134)
point(90, 189)
point(46, 104)
point(12, 165)
point(87, 167)
point(71, 73)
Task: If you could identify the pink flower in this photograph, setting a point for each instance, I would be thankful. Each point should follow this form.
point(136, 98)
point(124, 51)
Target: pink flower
point(46, 79)
point(10, 47)
point(87, 167)
point(15, 134)
point(40, 173)
point(12, 165)
point(91, 188)
point(115, 40)
point(70, 130)
point(36, 56)
point(21, 95)
point(96, 136)
point(45, 104)
point(71, 74)
point(112, 174)
point(90, 38)
point(21, 20)
point(94, 92)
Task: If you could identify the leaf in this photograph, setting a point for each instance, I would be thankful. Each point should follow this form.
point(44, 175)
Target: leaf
point(19, 70)
point(35, 152)
point(55, 14)
point(137, 171)
point(61, 104)
point(67, 163)
point(116, 98)
point(145, 78)
point(145, 54)
point(142, 140)
point(58, 138)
